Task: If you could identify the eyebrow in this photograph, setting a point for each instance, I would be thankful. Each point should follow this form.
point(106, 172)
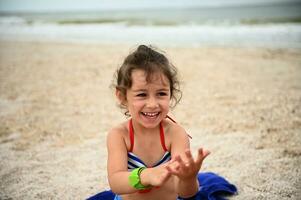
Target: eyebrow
point(163, 89)
point(139, 90)
point(145, 90)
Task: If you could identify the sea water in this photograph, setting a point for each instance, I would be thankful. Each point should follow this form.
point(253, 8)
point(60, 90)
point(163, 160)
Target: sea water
point(271, 25)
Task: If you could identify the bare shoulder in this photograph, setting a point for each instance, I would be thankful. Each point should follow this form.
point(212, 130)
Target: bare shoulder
point(120, 130)
point(178, 138)
point(118, 134)
point(173, 128)
point(175, 134)
point(117, 149)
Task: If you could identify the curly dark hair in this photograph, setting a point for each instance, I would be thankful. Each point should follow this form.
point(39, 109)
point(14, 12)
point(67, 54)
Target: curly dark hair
point(150, 60)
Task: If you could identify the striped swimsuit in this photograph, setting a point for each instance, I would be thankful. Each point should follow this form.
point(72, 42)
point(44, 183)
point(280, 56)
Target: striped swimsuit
point(134, 161)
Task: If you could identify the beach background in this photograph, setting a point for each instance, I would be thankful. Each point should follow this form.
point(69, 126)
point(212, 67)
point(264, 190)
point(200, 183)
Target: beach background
point(239, 65)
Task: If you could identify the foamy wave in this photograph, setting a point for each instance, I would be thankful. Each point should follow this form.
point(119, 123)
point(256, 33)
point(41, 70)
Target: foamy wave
point(276, 35)
point(12, 20)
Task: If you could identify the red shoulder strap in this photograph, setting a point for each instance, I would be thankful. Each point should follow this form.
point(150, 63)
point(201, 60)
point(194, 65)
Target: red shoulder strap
point(162, 137)
point(131, 132)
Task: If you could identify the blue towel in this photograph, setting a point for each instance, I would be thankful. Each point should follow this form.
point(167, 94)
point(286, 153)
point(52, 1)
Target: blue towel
point(212, 187)
point(105, 195)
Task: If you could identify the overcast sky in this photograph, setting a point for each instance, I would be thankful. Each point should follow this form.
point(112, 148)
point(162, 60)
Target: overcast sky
point(63, 5)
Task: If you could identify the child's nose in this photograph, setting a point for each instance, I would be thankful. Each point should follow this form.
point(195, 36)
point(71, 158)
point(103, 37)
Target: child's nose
point(152, 102)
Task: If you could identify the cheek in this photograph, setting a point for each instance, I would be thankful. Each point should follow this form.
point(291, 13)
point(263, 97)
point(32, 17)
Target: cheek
point(137, 104)
point(165, 103)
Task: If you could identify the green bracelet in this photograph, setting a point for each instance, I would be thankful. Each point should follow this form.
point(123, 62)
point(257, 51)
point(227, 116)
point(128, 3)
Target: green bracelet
point(134, 179)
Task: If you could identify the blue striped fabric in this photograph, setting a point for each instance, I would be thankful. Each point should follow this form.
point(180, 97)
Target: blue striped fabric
point(135, 162)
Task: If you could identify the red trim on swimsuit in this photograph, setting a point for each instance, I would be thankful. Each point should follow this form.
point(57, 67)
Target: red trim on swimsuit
point(132, 140)
point(162, 139)
point(131, 132)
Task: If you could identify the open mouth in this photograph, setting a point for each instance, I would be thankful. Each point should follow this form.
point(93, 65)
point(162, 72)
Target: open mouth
point(150, 114)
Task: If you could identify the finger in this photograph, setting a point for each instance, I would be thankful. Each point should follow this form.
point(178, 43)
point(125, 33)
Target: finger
point(168, 168)
point(173, 170)
point(205, 153)
point(174, 165)
point(189, 156)
point(202, 154)
point(199, 158)
point(179, 160)
point(173, 162)
point(167, 173)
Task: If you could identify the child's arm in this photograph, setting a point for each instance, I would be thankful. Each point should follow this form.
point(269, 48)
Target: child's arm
point(117, 163)
point(118, 174)
point(185, 167)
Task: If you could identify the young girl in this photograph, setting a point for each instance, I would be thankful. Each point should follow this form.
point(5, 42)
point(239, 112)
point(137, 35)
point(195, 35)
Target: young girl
point(149, 157)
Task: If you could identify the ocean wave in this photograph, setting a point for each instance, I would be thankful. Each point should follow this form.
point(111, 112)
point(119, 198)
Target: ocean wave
point(268, 35)
point(12, 20)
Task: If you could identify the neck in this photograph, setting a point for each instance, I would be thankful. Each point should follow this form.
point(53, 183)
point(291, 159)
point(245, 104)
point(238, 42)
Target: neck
point(139, 129)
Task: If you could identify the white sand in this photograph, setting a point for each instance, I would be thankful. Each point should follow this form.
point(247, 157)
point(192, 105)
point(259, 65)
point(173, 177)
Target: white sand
point(56, 107)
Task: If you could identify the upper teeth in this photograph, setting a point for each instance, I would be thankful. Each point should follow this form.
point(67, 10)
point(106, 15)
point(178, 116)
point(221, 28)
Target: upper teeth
point(150, 114)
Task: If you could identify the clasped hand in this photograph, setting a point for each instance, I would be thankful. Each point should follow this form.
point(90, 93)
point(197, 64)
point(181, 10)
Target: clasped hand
point(188, 167)
point(185, 167)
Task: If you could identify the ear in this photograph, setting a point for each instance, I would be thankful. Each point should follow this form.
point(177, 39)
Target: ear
point(121, 98)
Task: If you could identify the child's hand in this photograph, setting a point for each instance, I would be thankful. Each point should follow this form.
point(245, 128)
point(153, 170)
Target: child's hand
point(155, 176)
point(190, 168)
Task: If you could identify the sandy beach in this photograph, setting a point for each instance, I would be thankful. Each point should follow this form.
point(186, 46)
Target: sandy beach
point(56, 106)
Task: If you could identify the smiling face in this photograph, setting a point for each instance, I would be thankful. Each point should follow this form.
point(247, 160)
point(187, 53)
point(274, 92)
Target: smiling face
point(148, 102)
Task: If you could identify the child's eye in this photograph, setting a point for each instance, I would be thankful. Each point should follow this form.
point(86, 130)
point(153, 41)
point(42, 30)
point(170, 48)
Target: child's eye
point(141, 95)
point(162, 94)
